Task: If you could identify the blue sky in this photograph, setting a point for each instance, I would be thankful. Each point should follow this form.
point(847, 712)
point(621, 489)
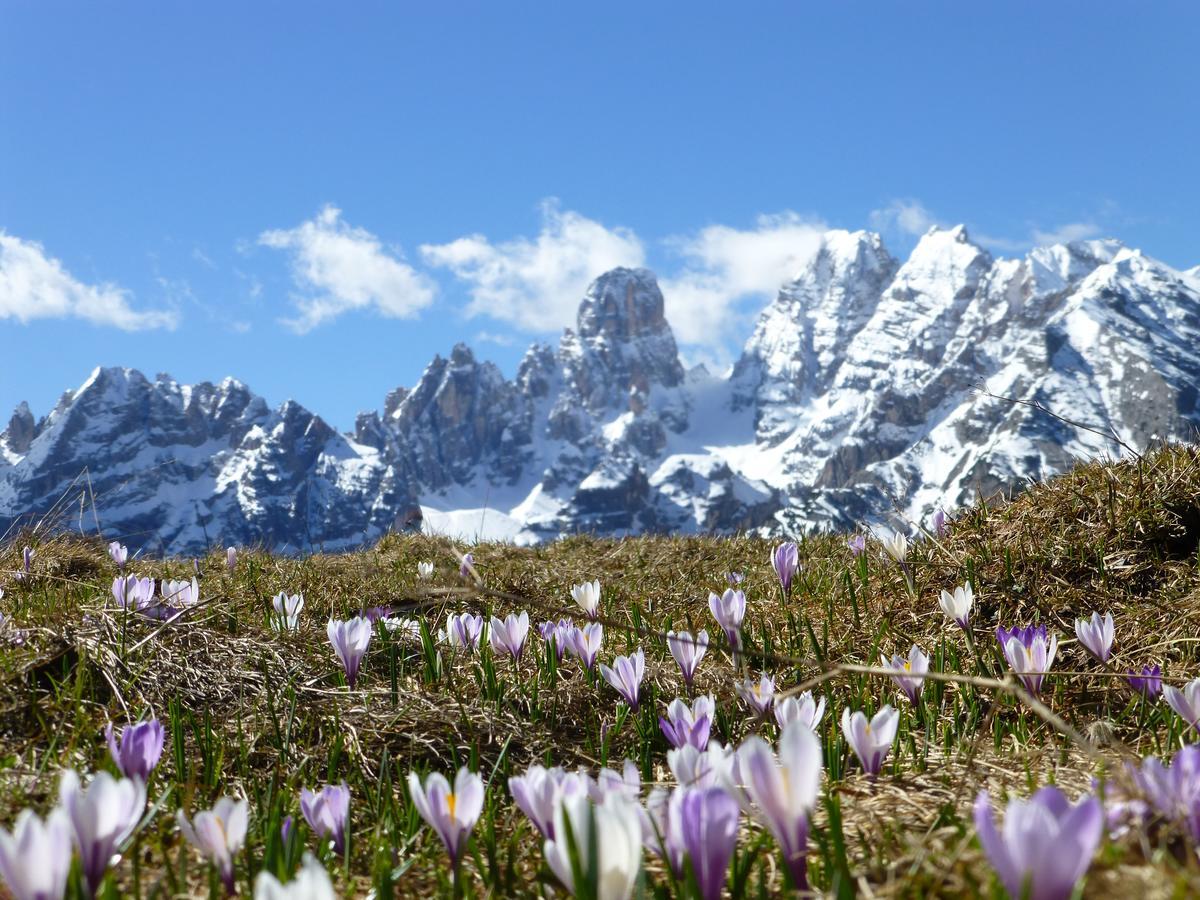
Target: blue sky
point(316, 199)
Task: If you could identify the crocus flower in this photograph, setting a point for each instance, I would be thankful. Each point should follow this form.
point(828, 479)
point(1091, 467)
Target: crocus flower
point(783, 789)
point(350, 639)
point(463, 631)
point(139, 749)
point(696, 824)
point(870, 740)
point(857, 545)
point(1148, 683)
point(230, 559)
point(1096, 635)
point(218, 834)
point(687, 651)
point(35, 859)
point(119, 553)
point(311, 883)
point(1186, 702)
point(957, 605)
point(102, 817)
point(785, 559)
point(539, 791)
point(688, 724)
point(403, 629)
point(585, 643)
point(800, 708)
point(701, 768)
point(1029, 654)
point(509, 636)
point(287, 611)
point(555, 634)
point(375, 614)
point(467, 566)
point(895, 545)
point(285, 830)
point(587, 597)
point(910, 672)
point(626, 676)
point(450, 813)
point(610, 833)
point(939, 523)
point(327, 813)
point(136, 595)
point(1046, 843)
point(27, 556)
point(1170, 791)
point(733, 579)
point(729, 609)
point(627, 782)
point(424, 570)
point(181, 594)
point(758, 695)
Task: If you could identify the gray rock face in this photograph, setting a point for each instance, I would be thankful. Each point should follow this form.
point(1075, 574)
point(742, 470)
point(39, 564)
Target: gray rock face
point(865, 387)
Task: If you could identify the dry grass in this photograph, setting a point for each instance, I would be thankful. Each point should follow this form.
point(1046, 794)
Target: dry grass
point(1120, 537)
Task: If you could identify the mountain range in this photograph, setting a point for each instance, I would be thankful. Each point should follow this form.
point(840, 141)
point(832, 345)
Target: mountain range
point(870, 389)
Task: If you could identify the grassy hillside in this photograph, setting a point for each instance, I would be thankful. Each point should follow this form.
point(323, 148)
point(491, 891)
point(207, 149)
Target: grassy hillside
point(253, 712)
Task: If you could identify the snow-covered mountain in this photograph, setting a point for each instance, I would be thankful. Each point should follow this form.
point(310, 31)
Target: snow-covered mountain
point(862, 394)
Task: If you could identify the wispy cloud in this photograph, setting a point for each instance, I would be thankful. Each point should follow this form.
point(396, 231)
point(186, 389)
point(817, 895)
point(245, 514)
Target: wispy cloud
point(536, 283)
point(725, 266)
point(1064, 234)
point(904, 217)
point(34, 285)
point(340, 268)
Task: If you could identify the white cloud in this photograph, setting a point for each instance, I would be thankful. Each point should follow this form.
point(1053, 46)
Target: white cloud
point(723, 266)
point(536, 284)
point(906, 217)
point(36, 286)
point(492, 337)
point(343, 268)
point(1064, 234)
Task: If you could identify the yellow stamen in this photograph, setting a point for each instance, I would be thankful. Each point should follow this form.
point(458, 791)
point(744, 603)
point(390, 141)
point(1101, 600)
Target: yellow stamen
point(450, 801)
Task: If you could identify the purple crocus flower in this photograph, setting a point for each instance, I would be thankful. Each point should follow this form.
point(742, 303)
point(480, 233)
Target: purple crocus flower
point(871, 740)
point(102, 816)
point(1029, 654)
point(231, 559)
point(782, 791)
point(467, 566)
point(1148, 683)
point(626, 676)
point(701, 768)
point(327, 813)
point(801, 708)
point(1186, 702)
point(285, 831)
point(137, 595)
point(139, 749)
point(786, 561)
point(688, 724)
point(119, 553)
point(694, 824)
point(857, 545)
point(555, 633)
point(509, 635)
point(35, 859)
point(1170, 791)
point(27, 556)
point(1096, 635)
point(1045, 845)
point(539, 791)
point(758, 695)
point(585, 643)
point(375, 614)
point(218, 834)
point(733, 579)
point(687, 651)
point(463, 631)
point(729, 610)
point(350, 640)
point(909, 672)
point(452, 814)
point(939, 523)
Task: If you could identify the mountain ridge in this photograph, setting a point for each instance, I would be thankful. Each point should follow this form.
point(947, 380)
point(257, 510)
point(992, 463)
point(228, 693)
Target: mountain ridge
point(856, 396)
